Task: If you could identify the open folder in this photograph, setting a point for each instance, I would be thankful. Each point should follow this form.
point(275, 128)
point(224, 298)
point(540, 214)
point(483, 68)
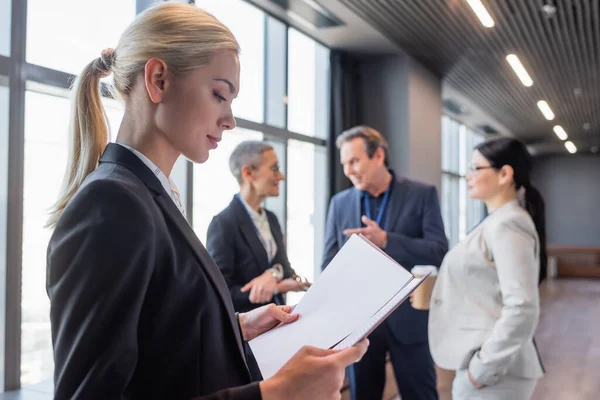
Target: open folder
point(359, 288)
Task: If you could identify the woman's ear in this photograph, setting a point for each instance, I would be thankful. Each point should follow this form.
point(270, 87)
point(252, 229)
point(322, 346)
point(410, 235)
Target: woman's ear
point(156, 79)
point(507, 174)
point(247, 173)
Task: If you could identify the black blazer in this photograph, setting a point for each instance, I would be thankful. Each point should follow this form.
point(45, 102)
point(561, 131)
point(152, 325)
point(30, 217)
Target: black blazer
point(233, 242)
point(139, 309)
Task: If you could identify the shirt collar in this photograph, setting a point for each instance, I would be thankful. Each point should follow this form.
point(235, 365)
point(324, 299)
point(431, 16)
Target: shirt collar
point(167, 183)
point(253, 213)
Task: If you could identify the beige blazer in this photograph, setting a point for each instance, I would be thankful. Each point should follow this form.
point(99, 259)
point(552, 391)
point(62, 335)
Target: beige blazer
point(485, 303)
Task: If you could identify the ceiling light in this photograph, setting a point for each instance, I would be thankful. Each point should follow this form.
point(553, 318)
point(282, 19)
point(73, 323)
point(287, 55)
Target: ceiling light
point(570, 147)
point(481, 12)
point(545, 109)
point(560, 132)
point(519, 69)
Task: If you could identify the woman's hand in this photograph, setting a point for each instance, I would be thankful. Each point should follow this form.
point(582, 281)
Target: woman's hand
point(256, 322)
point(261, 288)
point(316, 374)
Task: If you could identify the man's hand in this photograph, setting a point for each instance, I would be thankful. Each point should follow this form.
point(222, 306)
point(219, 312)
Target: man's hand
point(261, 288)
point(292, 285)
point(262, 319)
point(371, 231)
point(316, 374)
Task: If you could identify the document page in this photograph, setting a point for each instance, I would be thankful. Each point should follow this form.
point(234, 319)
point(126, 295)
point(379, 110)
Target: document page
point(356, 284)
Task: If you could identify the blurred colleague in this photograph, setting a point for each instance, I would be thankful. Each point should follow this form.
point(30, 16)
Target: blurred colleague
point(245, 239)
point(138, 308)
point(403, 218)
point(485, 304)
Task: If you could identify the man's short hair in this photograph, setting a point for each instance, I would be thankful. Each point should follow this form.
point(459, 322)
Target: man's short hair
point(371, 137)
point(248, 152)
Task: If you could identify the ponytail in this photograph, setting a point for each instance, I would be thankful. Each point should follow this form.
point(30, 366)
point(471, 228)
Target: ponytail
point(88, 130)
point(534, 203)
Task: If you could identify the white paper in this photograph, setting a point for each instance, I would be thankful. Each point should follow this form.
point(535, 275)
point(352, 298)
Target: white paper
point(372, 322)
point(356, 284)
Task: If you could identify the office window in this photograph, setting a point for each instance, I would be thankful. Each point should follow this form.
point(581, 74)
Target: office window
point(68, 35)
point(3, 210)
point(460, 212)
point(285, 88)
point(214, 185)
point(308, 77)
point(46, 151)
point(5, 13)
point(247, 23)
point(306, 209)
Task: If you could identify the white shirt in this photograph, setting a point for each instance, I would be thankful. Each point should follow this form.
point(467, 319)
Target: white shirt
point(167, 183)
point(261, 222)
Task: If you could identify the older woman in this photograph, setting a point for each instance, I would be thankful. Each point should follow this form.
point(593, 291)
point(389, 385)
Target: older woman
point(245, 239)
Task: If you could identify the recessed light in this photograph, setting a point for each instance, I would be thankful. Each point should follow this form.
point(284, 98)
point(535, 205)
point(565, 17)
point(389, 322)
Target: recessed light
point(519, 69)
point(570, 147)
point(545, 109)
point(560, 132)
point(482, 13)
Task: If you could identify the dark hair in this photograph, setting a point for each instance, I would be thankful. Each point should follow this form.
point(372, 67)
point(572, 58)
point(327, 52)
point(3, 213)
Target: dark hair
point(372, 138)
point(508, 151)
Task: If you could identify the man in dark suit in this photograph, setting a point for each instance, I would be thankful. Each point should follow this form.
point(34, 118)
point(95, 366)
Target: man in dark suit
point(245, 239)
point(403, 218)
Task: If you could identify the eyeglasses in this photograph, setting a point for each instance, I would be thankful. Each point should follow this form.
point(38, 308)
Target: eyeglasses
point(275, 168)
point(474, 168)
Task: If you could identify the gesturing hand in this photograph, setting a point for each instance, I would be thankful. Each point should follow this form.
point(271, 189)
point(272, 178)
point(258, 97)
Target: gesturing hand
point(371, 231)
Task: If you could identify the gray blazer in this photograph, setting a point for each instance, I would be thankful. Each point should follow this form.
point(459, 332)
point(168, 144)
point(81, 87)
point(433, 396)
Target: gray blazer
point(485, 303)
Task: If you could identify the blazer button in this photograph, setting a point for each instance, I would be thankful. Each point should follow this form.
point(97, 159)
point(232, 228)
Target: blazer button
point(437, 302)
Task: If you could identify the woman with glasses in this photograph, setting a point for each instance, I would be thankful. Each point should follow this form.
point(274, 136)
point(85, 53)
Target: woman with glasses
point(485, 304)
point(245, 239)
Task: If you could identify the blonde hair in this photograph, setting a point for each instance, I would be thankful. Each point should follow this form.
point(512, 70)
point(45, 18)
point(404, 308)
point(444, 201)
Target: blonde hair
point(181, 35)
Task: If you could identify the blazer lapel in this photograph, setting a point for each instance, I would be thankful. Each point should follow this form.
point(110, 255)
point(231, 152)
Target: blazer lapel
point(119, 155)
point(394, 206)
point(250, 235)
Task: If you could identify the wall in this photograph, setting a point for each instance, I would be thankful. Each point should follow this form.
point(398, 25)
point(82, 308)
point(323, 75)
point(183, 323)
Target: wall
point(571, 189)
point(403, 101)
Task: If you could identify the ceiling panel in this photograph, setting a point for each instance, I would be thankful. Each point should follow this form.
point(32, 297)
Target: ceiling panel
point(561, 52)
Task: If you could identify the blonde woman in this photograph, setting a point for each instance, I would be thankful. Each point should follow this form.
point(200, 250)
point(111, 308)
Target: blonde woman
point(485, 304)
point(139, 310)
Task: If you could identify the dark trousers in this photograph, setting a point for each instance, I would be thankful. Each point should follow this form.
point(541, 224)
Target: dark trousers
point(413, 369)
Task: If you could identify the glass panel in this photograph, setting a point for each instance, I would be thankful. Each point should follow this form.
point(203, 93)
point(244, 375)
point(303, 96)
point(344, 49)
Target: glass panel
point(462, 209)
point(450, 207)
point(248, 25)
point(46, 150)
point(308, 85)
point(214, 185)
point(78, 33)
point(306, 204)
point(5, 14)
point(3, 209)
point(276, 67)
point(46, 141)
